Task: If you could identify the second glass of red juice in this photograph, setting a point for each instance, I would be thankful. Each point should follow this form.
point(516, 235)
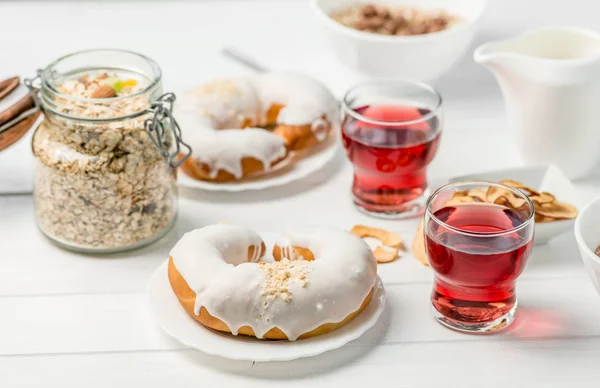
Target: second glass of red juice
point(477, 250)
point(391, 131)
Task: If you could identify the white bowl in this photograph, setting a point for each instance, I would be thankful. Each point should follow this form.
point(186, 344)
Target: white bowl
point(543, 178)
point(420, 57)
point(587, 234)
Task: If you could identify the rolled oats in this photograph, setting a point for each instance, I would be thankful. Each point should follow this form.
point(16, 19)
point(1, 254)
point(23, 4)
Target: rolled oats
point(101, 184)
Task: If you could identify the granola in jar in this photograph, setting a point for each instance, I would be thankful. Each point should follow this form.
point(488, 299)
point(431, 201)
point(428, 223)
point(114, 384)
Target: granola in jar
point(101, 181)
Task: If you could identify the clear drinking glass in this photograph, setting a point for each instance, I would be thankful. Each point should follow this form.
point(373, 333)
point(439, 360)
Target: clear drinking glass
point(477, 250)
point(391, 131)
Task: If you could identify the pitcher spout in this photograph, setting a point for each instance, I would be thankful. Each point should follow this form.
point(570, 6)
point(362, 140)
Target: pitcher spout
point(570, 46)
point(551, 55)
point(489, 53)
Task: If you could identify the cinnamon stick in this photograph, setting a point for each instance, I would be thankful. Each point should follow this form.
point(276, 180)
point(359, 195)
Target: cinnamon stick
point(14, 133)
point(8, 85)
point(17, 108)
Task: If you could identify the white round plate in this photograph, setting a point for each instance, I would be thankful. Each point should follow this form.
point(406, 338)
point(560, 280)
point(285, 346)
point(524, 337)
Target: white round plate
point(169, 314)
point(304, 164)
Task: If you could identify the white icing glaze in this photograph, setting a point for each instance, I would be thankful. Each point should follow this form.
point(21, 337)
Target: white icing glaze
point(208, 114)
point(224, 149)
point(212, 260)
point(306, 99)
point(226, 102)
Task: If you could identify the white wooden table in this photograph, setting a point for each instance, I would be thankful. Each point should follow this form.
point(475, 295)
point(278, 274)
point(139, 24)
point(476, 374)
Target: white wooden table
point(68, 320)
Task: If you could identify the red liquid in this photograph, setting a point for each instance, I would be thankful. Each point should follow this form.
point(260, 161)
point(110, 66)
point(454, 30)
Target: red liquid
point(475, 275)
point(389, 161)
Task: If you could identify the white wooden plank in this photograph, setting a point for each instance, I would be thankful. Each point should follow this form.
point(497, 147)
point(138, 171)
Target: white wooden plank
point(556, 308)
point(545, 362)
point(475, 122)
point(31, 265)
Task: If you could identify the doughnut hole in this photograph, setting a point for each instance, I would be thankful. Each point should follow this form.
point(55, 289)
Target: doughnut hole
point(305, 253)
point(296, 137)
point(260, 255)
point(273, 112)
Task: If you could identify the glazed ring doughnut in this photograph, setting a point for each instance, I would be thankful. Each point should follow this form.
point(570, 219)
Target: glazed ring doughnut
point(245, 126)
point(322, 278)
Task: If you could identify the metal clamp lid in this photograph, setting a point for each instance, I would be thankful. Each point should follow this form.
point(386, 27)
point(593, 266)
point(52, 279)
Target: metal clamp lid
point(162, 110)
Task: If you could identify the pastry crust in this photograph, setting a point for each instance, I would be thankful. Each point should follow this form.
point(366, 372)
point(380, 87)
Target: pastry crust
point(201, 171)
point(299, 137)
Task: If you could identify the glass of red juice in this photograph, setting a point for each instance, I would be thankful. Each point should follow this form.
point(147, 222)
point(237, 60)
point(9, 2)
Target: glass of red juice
point(477, 250)
point(391, 131)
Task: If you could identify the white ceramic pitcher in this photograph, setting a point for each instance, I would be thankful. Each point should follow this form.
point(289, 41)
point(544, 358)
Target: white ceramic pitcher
point(550, 79)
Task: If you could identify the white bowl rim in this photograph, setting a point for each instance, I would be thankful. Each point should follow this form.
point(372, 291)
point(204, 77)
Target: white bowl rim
point(577, 230)
point(328, 20)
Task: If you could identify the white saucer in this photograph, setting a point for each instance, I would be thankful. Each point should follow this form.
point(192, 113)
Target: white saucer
point(305, 164)
point(169, 314)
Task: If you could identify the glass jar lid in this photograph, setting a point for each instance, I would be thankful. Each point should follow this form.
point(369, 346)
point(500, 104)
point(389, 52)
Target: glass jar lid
point(62, 90)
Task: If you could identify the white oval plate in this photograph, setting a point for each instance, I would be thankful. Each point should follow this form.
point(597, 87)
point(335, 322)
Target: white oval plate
point(169, 314)
point(306, 163)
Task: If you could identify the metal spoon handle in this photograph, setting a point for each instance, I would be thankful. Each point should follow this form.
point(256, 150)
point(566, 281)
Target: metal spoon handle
point(244, 59)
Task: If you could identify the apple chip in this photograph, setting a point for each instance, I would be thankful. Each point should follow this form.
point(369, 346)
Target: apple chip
point(540, 218)
point(547, 208)
point(502, 201)
point(387, 238)
point(418, 245)
point(503, 197)
point(458, 200)
point(478, 193)
point(514, 201)
point(557, 210)
point(543, 198)
point(460, 194)
point(493, 193)
point(385, 256)
point(520, 186)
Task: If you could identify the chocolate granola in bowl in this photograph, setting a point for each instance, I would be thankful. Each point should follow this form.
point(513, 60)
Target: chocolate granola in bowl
point(101, 182)
point(393, 20)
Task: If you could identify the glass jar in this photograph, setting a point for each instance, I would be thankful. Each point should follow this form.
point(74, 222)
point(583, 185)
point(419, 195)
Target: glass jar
point(107, 152)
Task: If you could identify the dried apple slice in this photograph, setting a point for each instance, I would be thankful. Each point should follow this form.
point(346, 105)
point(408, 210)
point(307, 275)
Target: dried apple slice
point(458, 200)
point(547, 208)
point(541, 219)
point(458, 194)
point(520, 186)
point(514, 201)
point(387, 238)
point(418, 245)
point(503, 197)
point(384, 256)
point(478, 193)
point(559, 210)
point(543, 198)
point(494, 192)
point(502, 201)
